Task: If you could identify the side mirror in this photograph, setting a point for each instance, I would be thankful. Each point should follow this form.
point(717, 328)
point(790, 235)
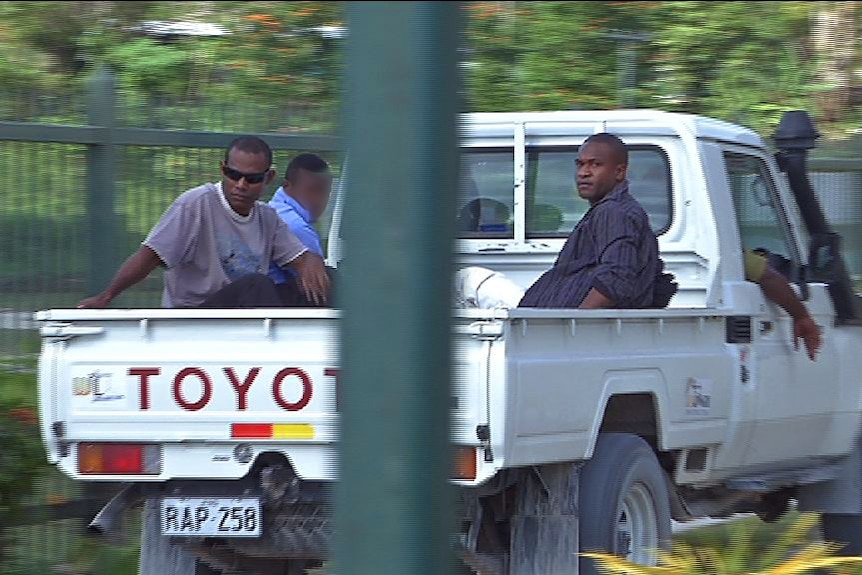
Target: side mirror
point(824, 254)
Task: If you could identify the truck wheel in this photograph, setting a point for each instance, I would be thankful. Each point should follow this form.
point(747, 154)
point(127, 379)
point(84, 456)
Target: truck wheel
point(843, 529)
point(623, 501)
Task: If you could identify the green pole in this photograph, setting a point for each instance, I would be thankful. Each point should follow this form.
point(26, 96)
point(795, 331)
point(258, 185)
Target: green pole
point(101, 159)
point(393, 512)
point(627, 75)
point(627, 82)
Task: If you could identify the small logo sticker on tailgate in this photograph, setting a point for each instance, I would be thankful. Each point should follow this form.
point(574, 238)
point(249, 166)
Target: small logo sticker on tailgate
point(98, 386)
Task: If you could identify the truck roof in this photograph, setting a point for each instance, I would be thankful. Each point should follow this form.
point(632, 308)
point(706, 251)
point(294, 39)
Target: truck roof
point(632, 122)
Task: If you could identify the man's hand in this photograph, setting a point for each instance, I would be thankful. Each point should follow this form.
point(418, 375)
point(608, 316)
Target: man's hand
point(313, 279)
point(96, 302)
point(809, 332)
point(777, 289)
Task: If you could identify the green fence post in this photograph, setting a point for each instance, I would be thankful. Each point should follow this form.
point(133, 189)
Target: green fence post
point(627, 68)
point(393, 506)
point(101, 182)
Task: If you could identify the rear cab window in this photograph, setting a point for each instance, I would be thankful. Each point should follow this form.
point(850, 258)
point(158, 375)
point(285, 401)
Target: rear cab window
point(486, 196)
point(553, 208)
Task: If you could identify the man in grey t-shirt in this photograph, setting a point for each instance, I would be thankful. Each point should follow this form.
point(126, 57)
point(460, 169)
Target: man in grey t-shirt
point(216, 242)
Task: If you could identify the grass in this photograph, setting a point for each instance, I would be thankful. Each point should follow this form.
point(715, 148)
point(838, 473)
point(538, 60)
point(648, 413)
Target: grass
point(65, 547)
point(721, 535)
point(60, 546)
point(18, 382)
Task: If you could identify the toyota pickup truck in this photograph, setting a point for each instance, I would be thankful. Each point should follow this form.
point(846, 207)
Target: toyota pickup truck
point(572, 429)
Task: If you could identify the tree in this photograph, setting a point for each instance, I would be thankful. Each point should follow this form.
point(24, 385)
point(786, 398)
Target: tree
point(279, 66)
point(835, 39)
point(741, 61)
point(745, 62)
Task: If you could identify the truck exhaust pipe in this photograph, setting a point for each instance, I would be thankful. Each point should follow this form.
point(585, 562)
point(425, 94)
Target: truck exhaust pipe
point(796, 135)
point(108, 521)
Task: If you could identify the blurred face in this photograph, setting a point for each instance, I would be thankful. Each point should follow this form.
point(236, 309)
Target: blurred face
point(244, 177)
point(311, 190)
point(598, 171)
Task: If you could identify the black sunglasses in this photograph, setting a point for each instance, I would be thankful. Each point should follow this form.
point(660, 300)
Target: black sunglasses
point(236, 175)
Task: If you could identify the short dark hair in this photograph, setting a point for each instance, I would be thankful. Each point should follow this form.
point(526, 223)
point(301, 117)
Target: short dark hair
point(250, 145)
point(308, 162)
point(617, 146)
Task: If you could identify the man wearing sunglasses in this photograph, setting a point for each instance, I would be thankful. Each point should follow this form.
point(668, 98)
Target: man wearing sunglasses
point(216, 242)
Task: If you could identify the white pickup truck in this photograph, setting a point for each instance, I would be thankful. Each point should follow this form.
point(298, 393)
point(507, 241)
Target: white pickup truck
point(573, 429)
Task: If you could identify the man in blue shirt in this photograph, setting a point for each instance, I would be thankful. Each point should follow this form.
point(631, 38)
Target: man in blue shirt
point(300, 201)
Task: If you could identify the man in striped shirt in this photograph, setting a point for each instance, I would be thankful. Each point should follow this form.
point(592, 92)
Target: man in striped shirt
point(611, 258)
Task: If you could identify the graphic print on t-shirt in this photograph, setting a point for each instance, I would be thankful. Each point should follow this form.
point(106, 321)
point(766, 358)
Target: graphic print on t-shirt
point(237, 259)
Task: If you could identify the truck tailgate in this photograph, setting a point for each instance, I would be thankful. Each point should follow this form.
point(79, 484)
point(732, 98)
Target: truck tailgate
point(198, 383)
point(165, 376)
point(193, 380)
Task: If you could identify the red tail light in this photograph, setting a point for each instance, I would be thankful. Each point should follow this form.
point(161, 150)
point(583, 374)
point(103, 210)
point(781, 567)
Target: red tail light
point(465, 463)
point(119, 459)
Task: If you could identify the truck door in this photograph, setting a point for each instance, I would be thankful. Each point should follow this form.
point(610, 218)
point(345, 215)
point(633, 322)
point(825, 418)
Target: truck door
point(794, 402)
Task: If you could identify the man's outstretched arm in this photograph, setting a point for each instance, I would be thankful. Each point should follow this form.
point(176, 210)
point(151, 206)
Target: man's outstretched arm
point(135, 269)
point(777, 289)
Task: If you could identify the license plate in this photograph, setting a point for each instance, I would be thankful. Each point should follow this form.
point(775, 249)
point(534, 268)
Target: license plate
point(211, 516)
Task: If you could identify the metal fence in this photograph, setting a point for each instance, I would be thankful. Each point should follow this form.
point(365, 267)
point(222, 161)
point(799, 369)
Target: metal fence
point(80, 195)
point(90, 171)
point(838, 183)
point(83, 194)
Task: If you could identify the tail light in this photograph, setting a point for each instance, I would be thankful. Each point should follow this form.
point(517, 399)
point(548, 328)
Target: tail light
point(465, 463)
point(271, 431)
point(119, 459)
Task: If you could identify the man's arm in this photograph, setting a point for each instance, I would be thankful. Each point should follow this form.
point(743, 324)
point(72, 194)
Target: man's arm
point(290, 252)
point(309, 236)
point(596, 300)
point(136, 268)
point(306, 234)
point(304, 231)
point(777, 289)
point(615, 279)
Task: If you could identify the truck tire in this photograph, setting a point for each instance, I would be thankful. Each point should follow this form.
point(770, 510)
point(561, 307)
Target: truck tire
point(623, 502)
point(843, 529)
